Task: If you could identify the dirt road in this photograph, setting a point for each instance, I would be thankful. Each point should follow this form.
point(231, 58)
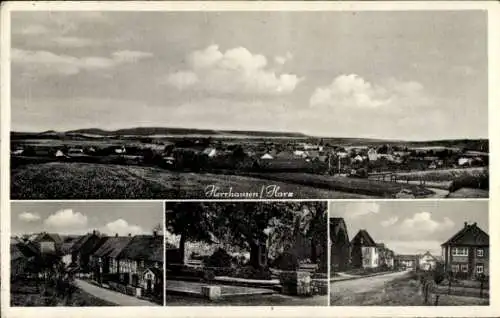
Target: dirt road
point(112, 296)
point(362, 285)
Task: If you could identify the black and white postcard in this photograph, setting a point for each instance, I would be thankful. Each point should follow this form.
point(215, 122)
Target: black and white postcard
point(249, 105)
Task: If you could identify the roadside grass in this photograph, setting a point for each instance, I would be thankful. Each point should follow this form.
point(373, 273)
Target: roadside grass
point(26, 294)
point(399, 292)
point(404, 291)
point(258, 300)
point(61, 180)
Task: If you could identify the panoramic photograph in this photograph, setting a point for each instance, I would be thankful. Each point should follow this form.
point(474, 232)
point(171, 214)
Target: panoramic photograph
point(409, 253)
point(86, 254)
point(246, 253)
point(249, 105)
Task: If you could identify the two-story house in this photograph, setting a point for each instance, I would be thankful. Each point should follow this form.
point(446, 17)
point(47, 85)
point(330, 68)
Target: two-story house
point(82, 248)
point(364, 252)
point(340, 246)
point(48, 243)
point(385, 256)
point(427, 261)
point(466, 254)
point(105, 259)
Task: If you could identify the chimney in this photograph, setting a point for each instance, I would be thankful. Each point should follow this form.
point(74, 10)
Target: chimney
point(116, 234)
point(93, 232)
point(155, 233)
point(129, 234)
point(465, 225)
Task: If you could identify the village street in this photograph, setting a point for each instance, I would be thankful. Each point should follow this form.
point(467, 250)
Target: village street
point(112, 296)
point(362, 285)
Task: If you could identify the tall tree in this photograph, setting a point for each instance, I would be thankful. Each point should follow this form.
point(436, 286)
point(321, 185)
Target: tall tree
point(191, 220)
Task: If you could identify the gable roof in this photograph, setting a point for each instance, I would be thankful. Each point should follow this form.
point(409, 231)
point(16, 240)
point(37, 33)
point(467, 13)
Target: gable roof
point(50, 236)
point(337, 224)
point(363, 238)
point(22, 250)
point(113, 246)
point(428, 254)
point(156, 271)
point(469, 235)
point(144, 247)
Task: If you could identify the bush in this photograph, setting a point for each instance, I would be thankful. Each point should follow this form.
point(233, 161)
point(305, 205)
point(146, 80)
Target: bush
point(220, 258)
point(249, 272)
point(287, 262)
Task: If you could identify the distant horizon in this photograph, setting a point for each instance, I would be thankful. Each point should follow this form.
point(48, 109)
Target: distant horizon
point(305, 135)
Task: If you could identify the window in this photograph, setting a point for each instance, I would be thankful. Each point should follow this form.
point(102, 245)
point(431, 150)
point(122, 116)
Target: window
point(479, 269)
point(480, 252)
point(454, 268)
point(465, 268)
point(460, 251)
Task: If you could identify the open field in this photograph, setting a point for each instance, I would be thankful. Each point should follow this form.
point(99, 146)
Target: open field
point(25, 293)
point(345, 184)
point(59, 180)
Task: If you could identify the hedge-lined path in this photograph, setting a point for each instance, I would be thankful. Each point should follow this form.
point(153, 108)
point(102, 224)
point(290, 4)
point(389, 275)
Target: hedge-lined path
point(112, 296)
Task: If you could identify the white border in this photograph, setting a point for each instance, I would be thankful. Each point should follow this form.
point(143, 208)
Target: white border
point(494, 132)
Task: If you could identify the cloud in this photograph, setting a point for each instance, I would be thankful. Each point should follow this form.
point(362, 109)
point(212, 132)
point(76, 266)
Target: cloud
point(121, 227)
point(43, 63)
point(421, 225)
point(72, 41)
point(29, 217)
point(390, 221)
point(352, 91)
point(235, 71)
point(66, 219)
point(32, 29)
point(283, 59)
point(355, 210)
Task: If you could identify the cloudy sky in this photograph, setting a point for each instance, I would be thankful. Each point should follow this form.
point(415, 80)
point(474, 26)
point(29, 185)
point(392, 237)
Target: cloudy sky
point(83, 217)
point(411, 227)
point(404, 75)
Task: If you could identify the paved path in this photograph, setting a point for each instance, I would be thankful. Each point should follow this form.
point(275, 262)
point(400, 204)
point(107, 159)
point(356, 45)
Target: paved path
point(112, 296)
point(362, 285)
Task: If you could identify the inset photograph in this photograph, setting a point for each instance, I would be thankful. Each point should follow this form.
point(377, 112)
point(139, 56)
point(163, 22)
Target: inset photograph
point(246, 253)
point(86, 254)
point(409, 253)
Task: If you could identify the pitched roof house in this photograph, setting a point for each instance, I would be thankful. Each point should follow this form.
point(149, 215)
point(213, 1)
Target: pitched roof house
point(340, 246)
point(364, 252)
point(141, 253)
point(467, 252)
point(407, 261)
point(427, 261)
point(48, 242)
point(105, 260)
point(83, 247)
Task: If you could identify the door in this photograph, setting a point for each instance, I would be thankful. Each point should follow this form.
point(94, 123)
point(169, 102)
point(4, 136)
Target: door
point(149, 286)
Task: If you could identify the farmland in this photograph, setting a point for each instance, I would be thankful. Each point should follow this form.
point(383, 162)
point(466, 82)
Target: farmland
point(154, 163)
point(58, 180)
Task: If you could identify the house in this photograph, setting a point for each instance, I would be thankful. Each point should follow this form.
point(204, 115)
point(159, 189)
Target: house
point(407, 261)
point(342, 154)
point(364, 252)
point(300, 153)
point(210, 152)
point(82, 248)
point(105, 259)
point(266, 156)
point(372, 154)
point(143, 252)
point(21, 255)
point(48, 243)
point(358, 158)
point(66, 249)
point(464, 161)
point(120, 150)
point(59, 154)
point(466, 253)
point(17, 152)
point(151, 279)
point(340, 247)
point(427, 261)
